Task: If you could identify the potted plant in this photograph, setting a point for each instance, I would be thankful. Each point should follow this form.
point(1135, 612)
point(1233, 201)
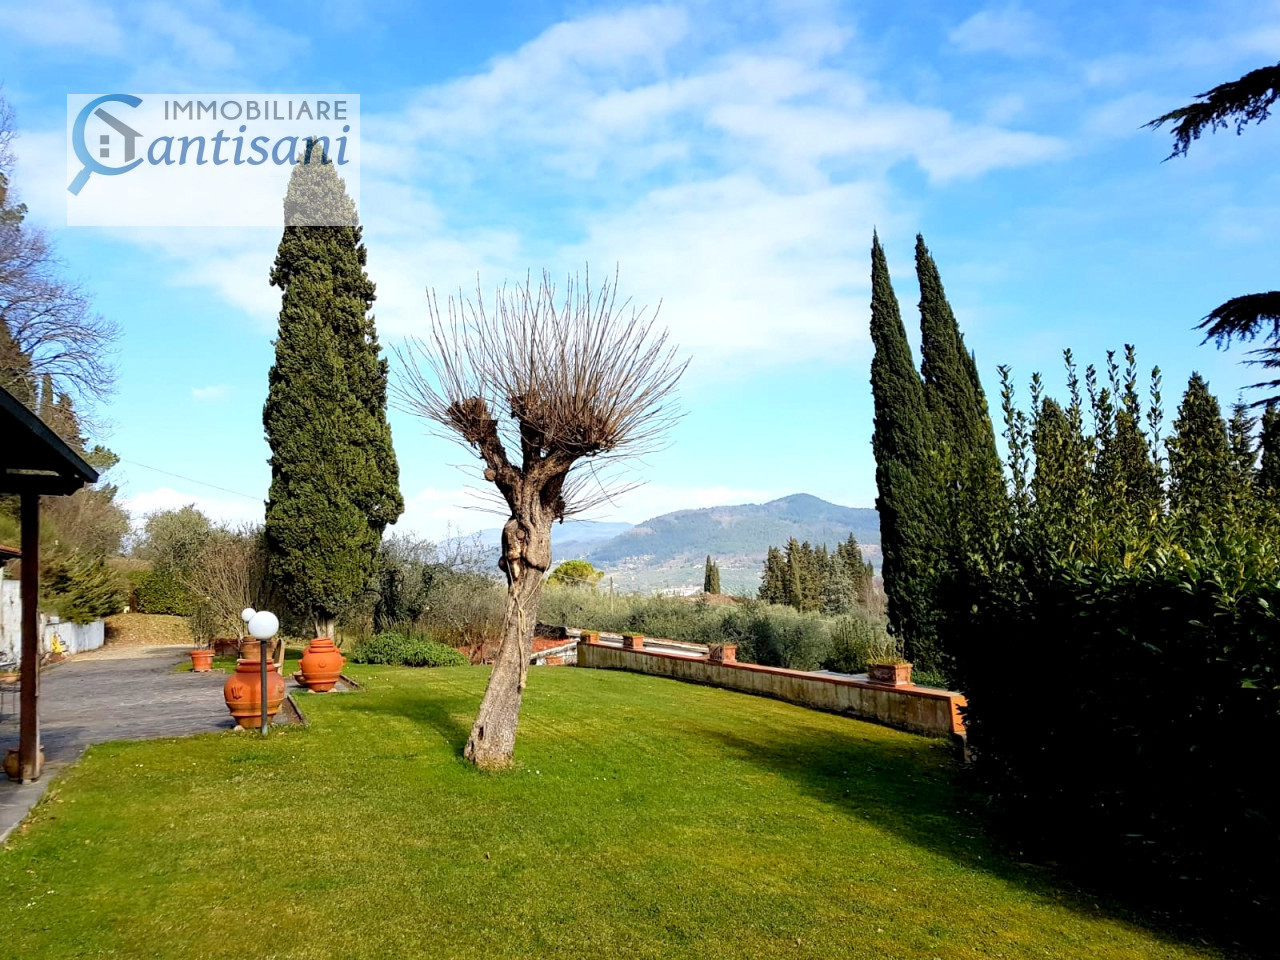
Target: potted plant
point(722, 652)
point(589, 636)
point(886, 664)
point(896, 672)
point(633, 641)
point(202, 656)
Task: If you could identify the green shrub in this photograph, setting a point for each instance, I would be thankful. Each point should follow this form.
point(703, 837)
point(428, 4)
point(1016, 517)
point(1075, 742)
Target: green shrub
point(82, 589)
point(857, 642)
point(160, 592)
point(402, 650)
point(765, 633)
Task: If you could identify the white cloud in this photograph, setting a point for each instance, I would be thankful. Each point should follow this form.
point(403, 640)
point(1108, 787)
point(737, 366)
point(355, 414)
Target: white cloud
point(166, 45)
point(230, 511)
point(1010, 30)
point(740, 187)
point(217, 391)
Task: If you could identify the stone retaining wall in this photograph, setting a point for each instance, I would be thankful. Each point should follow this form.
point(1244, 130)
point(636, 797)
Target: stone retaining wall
point(924, 710)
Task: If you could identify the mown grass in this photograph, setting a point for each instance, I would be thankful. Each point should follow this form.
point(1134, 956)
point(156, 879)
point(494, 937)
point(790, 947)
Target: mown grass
point(645, 818)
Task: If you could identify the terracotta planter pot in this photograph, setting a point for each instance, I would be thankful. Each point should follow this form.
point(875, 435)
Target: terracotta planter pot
point(12, 766)
point(243, 693)
point(321, 665)
point(201, 661)
point(895, 674)
point(632, 641)
point(590, 636)
point(723, 653)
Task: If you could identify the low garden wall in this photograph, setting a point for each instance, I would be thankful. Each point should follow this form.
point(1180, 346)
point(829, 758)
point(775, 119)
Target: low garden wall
point(74, 637)
point(924, 710)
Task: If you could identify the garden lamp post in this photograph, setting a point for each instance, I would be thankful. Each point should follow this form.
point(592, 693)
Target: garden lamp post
point(262, 627)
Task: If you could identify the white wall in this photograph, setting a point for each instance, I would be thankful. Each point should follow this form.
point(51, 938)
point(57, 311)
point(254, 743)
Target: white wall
point(75, 637)
point(10, 619)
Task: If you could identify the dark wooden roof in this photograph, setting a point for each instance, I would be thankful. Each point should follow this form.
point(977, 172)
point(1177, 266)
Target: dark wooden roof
point(34, 459)
point(9, 553)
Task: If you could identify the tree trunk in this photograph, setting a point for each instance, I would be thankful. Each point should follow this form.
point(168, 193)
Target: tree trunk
point(324, 626)
point(526, 556)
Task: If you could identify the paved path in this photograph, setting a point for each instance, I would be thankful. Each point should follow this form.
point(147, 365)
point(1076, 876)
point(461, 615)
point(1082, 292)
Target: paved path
point(126, 693)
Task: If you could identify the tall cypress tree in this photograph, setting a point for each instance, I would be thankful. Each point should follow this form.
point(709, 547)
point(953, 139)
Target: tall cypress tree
point(952, 388)
point(711, 577)
point(773, 585)
point(334, 476)
point(1200, 469)
point(906, 498)
point(1268, 477)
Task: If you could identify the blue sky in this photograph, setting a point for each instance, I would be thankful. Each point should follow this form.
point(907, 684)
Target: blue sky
point(731, 160)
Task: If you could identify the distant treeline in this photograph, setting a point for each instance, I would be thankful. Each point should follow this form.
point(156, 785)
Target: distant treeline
point(810, 579)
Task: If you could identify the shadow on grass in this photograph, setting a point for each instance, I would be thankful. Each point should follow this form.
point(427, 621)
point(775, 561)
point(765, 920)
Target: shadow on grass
point(440, 713)
point(917, 794)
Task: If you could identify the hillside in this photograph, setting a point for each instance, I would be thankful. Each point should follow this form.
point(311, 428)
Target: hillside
point(668, 552)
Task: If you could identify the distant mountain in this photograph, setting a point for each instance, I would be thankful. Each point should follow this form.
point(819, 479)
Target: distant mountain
point(669, 551)
point(569, 539)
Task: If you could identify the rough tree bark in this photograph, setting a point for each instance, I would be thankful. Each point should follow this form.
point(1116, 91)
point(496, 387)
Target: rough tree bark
point(526, 556)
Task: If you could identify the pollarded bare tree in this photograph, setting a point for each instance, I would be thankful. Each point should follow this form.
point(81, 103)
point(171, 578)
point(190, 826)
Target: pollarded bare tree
point(574, 383)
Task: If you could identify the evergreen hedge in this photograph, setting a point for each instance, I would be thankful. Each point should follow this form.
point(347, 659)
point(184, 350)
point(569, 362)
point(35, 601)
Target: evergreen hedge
point(157, 591)
point(402, 650)
point(1122, 663)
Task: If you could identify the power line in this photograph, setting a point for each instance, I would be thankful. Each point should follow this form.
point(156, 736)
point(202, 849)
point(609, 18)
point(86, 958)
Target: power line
point(178, 476)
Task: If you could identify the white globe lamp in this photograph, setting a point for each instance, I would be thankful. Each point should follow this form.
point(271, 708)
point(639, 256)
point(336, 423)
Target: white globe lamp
point(247, 614)
point(263, 625)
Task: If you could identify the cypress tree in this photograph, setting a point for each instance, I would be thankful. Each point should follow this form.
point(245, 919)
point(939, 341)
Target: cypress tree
point(1200, 467)
point(1268, 477)
point(794, 593)
point(952, 388)
point(901, 442)
point(711, 577)
point(849, 557)
point(773, 585)
point(334, 477)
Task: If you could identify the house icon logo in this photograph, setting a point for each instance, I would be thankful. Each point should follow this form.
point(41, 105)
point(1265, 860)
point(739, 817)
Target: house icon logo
point(118, 146)
point(126, 132)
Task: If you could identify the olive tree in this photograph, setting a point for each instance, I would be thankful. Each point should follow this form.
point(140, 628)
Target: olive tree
point(548, 391)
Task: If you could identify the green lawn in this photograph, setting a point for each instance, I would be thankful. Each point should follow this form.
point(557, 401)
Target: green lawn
point(646, 818)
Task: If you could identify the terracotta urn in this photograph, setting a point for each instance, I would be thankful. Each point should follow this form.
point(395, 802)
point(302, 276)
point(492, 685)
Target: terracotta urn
point(12, 764)
point(321, 665)
point(723, 653)
point(243, 693)
point(201, 661)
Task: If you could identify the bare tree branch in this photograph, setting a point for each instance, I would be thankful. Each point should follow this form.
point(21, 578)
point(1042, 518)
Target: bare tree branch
point(564, 381)
point(49, 319)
